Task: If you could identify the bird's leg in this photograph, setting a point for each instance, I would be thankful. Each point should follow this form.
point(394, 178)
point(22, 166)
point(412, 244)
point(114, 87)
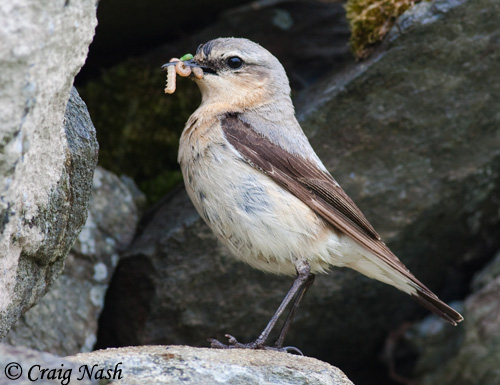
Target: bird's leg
point(286, 326)
point(304, 278)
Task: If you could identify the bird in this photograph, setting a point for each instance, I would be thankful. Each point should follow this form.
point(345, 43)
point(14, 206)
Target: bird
point(256, 181)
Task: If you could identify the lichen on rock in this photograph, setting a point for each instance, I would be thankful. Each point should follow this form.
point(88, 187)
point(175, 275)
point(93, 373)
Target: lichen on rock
point(371, 20)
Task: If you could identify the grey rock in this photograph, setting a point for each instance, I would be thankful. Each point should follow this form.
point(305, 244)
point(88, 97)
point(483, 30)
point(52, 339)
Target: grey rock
point(488, 274)
point(46, 166)
point(413, 136)
point(28, 365)
point(193, 366)
point(64, 321)
point(413, 133)
point(471, 354)
point(139, 198)
point(113, 217)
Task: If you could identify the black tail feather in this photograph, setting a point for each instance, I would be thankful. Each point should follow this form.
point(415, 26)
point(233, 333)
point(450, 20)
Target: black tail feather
point(434, 304)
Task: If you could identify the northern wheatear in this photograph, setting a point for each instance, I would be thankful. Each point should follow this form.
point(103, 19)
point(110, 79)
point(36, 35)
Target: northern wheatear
point(256, 181)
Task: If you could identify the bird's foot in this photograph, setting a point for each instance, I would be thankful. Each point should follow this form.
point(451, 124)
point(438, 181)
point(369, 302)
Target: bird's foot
point(234, 344)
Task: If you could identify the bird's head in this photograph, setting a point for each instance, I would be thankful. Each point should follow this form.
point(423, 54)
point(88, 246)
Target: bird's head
point(240, 73)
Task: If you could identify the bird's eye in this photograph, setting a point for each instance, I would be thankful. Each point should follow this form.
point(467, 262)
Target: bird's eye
point(234, 62)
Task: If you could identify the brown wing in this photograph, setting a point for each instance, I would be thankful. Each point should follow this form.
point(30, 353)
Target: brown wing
point(323, 195)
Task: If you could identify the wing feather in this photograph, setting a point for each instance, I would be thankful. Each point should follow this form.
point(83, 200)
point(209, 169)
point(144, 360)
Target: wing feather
point(317, 189)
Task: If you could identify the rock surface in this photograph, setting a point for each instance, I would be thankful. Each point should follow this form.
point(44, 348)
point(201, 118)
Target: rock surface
point(64, 322)
point(413, 135)
point(194, 366)
point(46, 168)
point(470, 355)
point(28, 364)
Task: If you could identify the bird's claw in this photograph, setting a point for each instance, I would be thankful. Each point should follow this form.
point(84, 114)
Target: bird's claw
point(234, 344)
point(290, 349)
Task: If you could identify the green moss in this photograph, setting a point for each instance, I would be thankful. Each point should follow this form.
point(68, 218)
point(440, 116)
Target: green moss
point(138, 125)
point(370, 20)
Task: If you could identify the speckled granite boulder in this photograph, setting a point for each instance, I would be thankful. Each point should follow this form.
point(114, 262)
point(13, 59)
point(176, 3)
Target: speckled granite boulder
point(65, 320)
point(46, 166)
point(172, 365)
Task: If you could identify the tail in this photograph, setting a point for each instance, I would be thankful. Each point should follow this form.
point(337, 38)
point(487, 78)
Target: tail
point(393, 272)
point(428, 299)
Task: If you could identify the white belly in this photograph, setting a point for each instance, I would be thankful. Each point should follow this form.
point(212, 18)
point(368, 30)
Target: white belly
point(262, 224)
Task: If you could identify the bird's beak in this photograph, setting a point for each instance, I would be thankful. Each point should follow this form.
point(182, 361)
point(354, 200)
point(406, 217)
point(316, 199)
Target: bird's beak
point(191, 63)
